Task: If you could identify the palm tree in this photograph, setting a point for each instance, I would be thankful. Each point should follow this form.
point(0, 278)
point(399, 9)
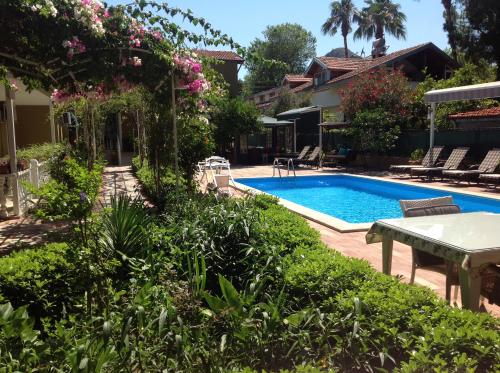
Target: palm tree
point(378, 17)
point(341, 15)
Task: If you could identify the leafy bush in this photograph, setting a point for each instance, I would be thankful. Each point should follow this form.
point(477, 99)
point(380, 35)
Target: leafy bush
point(148, 182)
point(71, 192)
point(417, 154)
point(375, 130)
point(46, 279)
point(41, 152)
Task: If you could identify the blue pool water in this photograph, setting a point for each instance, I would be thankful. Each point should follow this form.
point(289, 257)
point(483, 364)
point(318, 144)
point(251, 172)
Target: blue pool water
point(356, 199)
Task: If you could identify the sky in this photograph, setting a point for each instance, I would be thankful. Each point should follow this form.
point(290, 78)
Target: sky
point(244, 20)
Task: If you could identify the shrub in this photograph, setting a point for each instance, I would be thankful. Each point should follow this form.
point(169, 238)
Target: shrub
point(375, 130)
point(417, 154)
point(147, 179)
point(41, 152)
point(46, 279)
point(71, 192)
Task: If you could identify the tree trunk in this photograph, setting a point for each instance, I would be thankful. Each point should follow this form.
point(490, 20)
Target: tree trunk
point(346, 51)
point(449, 27)
point(379, 30)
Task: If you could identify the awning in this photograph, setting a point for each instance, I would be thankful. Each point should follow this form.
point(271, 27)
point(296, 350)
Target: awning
point(270, 122)
point(299, 111)
point(469, 92)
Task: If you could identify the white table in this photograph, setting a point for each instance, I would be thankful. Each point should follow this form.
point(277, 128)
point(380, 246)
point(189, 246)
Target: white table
point(471, 239)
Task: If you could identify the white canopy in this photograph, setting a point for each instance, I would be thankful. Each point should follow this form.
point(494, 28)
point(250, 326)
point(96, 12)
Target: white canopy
point(469, 92)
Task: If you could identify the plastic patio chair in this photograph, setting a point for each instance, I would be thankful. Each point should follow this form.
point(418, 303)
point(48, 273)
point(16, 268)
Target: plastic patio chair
point(421, 259)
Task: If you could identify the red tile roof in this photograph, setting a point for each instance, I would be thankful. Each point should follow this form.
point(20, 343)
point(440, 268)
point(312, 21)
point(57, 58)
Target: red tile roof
point(297, 78)
point(336, 63)
point(377, 62)
point(491, 112)
point(302, 87)
point(220, 55)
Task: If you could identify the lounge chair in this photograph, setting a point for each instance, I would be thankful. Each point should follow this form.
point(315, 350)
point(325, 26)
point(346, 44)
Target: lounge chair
point(426, 162)
point(422, 259)
point(222, 184)
point(452, 163)
point(312, 159)
point(487, 166)
point(342, 156)
point(491, 180)
point(302, 154)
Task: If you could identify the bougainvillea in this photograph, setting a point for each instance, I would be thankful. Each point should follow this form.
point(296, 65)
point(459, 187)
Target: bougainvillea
point(379, 88)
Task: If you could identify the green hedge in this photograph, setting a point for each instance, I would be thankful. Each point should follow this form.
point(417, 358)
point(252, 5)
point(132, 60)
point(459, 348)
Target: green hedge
point(46, 279)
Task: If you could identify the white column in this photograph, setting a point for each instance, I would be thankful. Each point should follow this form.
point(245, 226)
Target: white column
point(431, 132)
point(11, 138)
point(34, 173)
point(52, 122)
point(119, 138)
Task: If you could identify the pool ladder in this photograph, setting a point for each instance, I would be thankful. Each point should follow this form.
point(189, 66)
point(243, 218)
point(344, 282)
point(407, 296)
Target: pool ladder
point(289, 164)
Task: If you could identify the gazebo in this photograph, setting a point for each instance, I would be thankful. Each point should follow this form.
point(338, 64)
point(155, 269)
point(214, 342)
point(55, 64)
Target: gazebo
point(469, 92)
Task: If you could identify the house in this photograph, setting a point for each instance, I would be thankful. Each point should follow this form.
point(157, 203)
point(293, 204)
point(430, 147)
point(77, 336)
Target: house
point(32, 120)
point(229, 66)
point(326, 76)
point(477, 119)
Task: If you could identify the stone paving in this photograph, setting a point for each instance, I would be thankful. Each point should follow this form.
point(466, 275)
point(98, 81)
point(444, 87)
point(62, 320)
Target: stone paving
point(354, 245)
point(25, 231)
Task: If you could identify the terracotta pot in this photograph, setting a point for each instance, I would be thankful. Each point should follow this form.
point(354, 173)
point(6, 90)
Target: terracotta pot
point(22, 164)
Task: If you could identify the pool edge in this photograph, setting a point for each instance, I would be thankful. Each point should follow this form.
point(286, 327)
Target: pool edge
point(318, 217)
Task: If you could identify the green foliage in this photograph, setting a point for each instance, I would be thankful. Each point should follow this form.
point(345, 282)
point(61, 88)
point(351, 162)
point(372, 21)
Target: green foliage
point(155, 187)
point(466, 75)
point(41, 152)
point(341, 17)
point(477, 30)
point(233, 117)
point(288, 43)
point(287, 100)
point(124, 227)
point(224, 285)
point(374, 130)
point(379, 17)
point(417, 154)
point(46, 279)
point(71, 192)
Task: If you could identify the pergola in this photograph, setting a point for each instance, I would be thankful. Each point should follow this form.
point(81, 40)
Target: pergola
point(294, 115)
point(469, 92)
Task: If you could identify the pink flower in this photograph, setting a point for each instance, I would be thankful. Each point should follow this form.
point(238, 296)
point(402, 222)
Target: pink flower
point(196, 67)
point(135, 61)
point(106, 14)
point(195, 86)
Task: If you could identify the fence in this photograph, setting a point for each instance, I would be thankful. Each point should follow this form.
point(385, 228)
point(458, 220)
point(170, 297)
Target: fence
point(479, 140)
point(14, 187)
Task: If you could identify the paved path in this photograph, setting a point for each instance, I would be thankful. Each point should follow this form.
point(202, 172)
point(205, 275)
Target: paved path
point(26, 231)
point(118, 180)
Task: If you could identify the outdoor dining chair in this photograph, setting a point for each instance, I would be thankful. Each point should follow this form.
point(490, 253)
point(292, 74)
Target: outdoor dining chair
point(422, 259)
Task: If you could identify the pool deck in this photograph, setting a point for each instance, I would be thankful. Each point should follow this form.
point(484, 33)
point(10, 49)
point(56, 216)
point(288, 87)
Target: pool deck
point(353, 243)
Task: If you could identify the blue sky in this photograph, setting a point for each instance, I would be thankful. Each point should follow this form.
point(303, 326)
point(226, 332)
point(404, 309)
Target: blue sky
point(244, 20)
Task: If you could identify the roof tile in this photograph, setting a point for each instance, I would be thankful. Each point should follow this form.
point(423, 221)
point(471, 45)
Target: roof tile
point(220, 55)
point(343, 63)
point(477, 114)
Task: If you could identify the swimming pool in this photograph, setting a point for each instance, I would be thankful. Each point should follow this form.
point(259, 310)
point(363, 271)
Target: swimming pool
point(358, 199)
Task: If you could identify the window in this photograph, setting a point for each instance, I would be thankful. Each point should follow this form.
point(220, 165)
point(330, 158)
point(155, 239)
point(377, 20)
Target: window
point(321, 77)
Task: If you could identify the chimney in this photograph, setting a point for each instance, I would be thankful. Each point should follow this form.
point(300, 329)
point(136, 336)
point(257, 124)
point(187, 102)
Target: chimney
point(379, 48)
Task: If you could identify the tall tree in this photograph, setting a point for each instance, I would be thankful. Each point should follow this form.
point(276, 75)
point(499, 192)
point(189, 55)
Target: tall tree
point(478, 30)
point(450, 26)
point(341, 15)
point(379, 17)
point(288, 43)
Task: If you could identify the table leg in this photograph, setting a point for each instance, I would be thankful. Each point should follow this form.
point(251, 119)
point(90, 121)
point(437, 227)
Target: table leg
point(470, 288)
point(387, 244)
